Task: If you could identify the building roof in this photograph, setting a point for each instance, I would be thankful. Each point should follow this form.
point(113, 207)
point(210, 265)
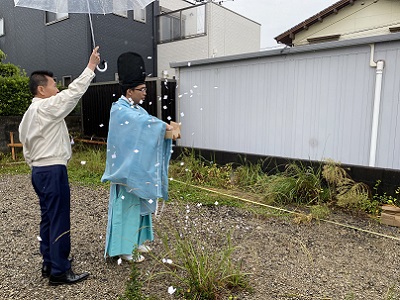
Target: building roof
point(288, 36)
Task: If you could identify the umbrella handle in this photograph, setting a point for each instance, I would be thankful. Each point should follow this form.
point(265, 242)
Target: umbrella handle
point(105, 67)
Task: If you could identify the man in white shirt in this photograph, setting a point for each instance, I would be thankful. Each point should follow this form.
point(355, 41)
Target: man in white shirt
point(47, 149)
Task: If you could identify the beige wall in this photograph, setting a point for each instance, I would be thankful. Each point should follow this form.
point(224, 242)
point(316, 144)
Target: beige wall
point(184, 50)
point(354, 21)
point(227, 33)
point(231, 33)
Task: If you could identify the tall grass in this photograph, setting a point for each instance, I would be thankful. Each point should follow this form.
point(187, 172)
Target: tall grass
point(196, 260)
point(187, 167)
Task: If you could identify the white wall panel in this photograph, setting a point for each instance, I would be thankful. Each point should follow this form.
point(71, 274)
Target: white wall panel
point(312, 105)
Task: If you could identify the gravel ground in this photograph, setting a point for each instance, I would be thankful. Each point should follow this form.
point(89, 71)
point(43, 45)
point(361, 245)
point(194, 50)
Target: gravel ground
point(319, 260)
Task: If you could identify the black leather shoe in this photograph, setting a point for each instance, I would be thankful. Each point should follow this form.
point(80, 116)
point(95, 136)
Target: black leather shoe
point(68, 277)
point(46, 269)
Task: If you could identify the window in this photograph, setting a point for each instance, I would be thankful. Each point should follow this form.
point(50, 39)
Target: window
point(66, 80)
point(325, 38)
point(139, 15)
point(55, 17)
point(182, 24)
point(1, 26)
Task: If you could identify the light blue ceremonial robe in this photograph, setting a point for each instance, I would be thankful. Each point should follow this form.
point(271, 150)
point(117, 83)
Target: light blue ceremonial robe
point(137, 167)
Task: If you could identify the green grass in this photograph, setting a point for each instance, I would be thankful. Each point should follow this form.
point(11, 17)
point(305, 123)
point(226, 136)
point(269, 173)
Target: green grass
point(87, 164)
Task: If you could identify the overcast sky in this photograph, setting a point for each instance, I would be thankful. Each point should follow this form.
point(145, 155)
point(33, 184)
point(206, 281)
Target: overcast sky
point(277, 16)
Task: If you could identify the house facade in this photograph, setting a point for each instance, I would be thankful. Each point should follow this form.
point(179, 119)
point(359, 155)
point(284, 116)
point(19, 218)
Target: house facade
point(346, 19)
point(191, 32)
point(62, 43)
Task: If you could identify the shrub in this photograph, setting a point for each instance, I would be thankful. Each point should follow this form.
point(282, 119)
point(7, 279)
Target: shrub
point(15, 96)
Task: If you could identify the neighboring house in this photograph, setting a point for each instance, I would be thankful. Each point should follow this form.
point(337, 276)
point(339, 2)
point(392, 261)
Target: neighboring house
point(35, 39)
point(346, 19)
point(191, 32)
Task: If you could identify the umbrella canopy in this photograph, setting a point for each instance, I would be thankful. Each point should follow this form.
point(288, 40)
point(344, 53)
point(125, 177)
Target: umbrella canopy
point(83, 6)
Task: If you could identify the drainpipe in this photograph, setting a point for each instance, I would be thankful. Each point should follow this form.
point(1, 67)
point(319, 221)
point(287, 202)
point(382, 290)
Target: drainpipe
point(379, 65)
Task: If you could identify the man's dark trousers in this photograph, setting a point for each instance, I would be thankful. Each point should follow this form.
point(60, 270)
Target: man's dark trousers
point(52, 187)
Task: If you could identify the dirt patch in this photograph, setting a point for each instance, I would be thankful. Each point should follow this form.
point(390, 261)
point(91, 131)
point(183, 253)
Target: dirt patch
point(319, 260)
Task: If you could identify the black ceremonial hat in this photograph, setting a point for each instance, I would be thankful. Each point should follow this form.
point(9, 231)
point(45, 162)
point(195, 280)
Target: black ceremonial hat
point(131, 70)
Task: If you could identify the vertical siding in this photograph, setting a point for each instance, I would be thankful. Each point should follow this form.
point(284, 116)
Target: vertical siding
point(388, 151)
point(313, 105)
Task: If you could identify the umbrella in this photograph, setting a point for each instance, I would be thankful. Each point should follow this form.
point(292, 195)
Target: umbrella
point(84, 6)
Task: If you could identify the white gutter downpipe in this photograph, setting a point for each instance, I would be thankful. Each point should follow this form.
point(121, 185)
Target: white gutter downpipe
point(379, 65)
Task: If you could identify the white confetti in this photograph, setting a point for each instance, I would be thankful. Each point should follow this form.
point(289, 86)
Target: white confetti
point(182, 163)
point(199, 204)
point(191, 91)
point(189, 63)
point(101, 237)
point(39, 238)
point(150, 103)
point(157, 165)
point(119, 261)
point(169, 118)
point(150, 201)
point(171, 178)
point(165, 107)
point(122, 197)
point(180, 96)
point(182, 114)
point(149, 57)
point(114, 156)
point(165, 97)
point(83, 162)
point(136, 151)
point(167, 261)
point(113, 95)
point(216, 203)
point(141, 102)
point(215, 87)
point(195, 86)
point(101, 125)
point(201, 108)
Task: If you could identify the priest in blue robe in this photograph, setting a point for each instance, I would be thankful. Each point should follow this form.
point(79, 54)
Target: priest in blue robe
point(137, 164)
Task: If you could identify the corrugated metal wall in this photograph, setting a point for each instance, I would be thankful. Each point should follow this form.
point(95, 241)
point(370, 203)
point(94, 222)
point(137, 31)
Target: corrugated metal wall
point(306, 105)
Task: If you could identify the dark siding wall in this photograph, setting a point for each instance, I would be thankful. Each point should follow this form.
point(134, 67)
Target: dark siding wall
point(64, 47)
point(97, 102)
point(61, 47)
